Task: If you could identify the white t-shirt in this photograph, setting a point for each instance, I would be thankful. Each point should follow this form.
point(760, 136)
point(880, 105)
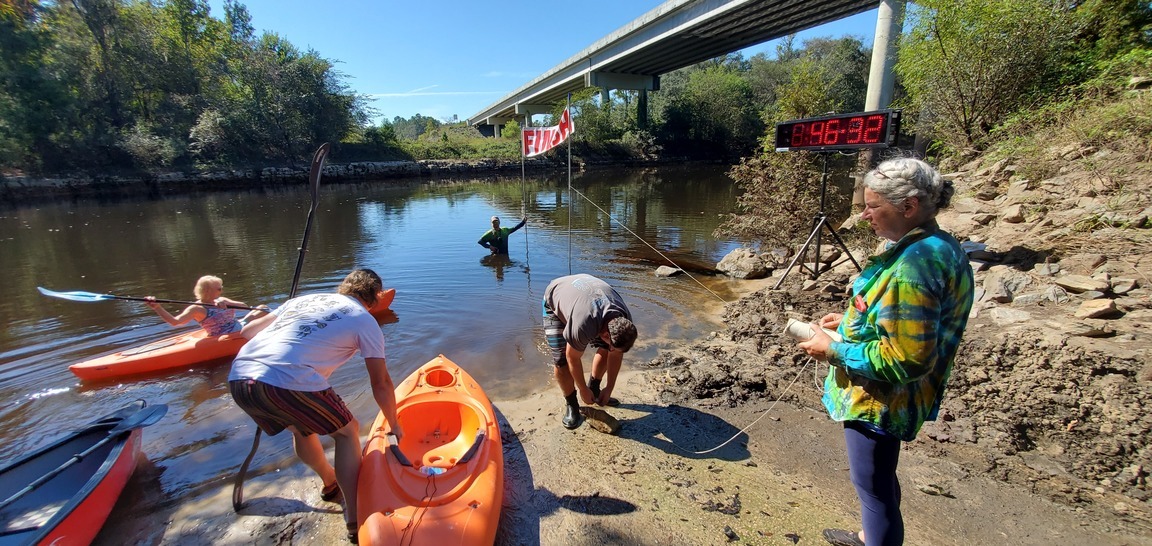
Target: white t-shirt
point(311, 336)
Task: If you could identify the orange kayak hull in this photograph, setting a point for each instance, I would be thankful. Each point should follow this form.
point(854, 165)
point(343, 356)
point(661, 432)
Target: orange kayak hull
point(176, 351)
point(453, 490)
point(185, 349)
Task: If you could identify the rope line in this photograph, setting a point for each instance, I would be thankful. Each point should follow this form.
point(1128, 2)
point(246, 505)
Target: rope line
point(762, 414)
point(418, 516)
point(750, 425)
point(641, 239)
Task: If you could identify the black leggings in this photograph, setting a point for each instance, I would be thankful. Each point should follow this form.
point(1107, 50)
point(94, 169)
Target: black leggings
point(872, 460)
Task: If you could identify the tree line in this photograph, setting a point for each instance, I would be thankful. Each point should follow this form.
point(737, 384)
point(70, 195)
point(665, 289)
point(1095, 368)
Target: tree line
point(104, 85)
point(974, 77)
point(109, 84)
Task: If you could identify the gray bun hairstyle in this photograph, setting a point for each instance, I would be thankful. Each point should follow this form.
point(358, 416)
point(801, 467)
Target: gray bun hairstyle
point(903, 177)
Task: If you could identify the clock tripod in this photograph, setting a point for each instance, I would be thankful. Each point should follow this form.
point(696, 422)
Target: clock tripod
point(819, 222)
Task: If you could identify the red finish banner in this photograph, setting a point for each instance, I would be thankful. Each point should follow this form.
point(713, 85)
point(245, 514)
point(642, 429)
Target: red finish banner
point(537, 140)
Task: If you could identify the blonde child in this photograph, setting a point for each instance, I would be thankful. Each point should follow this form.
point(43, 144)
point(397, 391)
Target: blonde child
point(214, 312)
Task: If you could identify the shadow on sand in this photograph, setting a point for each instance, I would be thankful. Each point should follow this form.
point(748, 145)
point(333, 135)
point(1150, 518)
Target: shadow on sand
point(689, 433)
point(675, 430)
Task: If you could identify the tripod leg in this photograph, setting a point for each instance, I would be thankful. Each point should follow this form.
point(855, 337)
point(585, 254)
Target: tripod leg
point(843, 246)
point(803, 251)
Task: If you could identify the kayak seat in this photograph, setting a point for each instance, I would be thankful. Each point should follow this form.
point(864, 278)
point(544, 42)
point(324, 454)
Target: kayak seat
point(452, 454)
point(440, 434)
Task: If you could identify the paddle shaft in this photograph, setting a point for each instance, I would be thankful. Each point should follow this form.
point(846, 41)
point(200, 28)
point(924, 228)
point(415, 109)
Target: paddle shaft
point(314, 186)
point(142, 418)
point(89, 297)
point(158, 300)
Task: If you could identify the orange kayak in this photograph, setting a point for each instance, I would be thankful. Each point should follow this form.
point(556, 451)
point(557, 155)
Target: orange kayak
point(444, 482)
point(185, 349)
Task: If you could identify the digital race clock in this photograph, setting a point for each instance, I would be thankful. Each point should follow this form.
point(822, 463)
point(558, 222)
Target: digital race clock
point(878, 129)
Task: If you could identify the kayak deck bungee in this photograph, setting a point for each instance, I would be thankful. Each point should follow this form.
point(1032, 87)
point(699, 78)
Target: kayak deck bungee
point(177, 351)
point(443, 483)
point(70, 507)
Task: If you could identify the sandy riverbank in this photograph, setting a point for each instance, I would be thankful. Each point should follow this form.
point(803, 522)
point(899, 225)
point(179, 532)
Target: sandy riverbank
point(779, 483)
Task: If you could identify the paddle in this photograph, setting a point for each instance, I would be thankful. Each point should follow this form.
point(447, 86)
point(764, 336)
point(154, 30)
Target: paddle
point(142, 418)
point(92, 296)
point(318, 161)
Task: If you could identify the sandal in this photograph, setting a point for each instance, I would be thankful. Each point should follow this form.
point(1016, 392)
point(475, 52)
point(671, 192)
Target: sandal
point(353, 533)
point(330, 492)
point(840, 537)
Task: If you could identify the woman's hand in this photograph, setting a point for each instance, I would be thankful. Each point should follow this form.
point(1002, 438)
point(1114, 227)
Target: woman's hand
point(819, 347)
point(830, 321)
point(150, 301)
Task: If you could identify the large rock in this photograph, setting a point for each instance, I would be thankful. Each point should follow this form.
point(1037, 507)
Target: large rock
point(743, 263)
point(1078, 284)
point(1101, 308)
point(1002, 283)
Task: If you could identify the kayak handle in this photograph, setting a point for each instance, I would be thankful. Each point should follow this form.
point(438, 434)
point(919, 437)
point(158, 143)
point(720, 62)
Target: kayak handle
point(472, 450)
point(394, 447)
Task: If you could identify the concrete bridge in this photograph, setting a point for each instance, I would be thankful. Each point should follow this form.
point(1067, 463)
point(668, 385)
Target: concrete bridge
point(680, 33)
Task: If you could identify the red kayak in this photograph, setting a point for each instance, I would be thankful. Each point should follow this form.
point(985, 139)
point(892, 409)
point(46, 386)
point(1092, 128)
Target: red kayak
point(63, 493)
point(178, 351)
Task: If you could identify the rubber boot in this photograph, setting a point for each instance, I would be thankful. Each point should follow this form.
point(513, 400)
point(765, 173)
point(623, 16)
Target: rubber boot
point(572, 415)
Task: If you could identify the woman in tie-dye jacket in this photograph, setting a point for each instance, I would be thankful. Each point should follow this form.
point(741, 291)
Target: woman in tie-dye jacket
point(900, 333)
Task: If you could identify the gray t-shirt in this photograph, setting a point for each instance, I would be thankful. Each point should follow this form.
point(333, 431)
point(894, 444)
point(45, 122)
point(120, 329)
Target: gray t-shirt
point(585, 304)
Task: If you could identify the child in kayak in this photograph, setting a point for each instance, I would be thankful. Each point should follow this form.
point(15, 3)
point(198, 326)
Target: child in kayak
point(212, 310)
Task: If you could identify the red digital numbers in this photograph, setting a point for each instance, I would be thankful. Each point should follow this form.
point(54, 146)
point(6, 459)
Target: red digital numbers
point(873, 128)
point(853, 130)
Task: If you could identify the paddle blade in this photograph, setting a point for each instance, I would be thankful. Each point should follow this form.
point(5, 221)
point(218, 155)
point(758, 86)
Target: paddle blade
point(75, 295)
point(142, 418)
point(318, 161)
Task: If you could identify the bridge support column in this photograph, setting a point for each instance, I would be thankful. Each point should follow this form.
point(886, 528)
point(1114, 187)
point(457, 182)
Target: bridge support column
point(642, 110)
point(881, 77)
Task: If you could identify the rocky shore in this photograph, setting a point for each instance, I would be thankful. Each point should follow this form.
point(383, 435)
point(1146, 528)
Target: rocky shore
point(1054, 378)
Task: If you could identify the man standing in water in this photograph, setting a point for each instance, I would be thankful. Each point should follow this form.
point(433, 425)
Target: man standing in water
point(496, 239)
point(581, 310)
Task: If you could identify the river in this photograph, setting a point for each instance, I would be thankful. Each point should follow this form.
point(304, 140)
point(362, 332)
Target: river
point(452, 297)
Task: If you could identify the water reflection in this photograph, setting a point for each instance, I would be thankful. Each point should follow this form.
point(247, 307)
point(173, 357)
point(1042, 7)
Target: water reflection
point(498, 262)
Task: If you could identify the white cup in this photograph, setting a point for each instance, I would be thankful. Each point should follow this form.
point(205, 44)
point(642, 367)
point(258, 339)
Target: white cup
point(798, 330)
point(802, 331)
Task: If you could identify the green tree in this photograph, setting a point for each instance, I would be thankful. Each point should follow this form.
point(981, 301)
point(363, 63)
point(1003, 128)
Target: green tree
point(780, 191)
point(971, 63)
point(280, 103)
point(29, 96)
point(510, 130)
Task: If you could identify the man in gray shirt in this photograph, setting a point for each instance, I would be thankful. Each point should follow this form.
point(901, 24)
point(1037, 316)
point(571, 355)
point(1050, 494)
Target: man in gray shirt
point(581, 310)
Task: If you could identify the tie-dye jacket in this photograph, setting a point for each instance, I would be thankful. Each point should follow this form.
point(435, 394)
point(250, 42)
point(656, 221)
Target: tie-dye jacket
point(908, 311)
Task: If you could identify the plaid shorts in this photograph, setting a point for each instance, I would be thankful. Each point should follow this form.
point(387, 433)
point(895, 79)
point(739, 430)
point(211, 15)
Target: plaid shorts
point(554, 336)
point(274, 408)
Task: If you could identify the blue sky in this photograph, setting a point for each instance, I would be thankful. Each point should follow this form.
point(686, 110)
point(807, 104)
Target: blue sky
point(441, 58)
